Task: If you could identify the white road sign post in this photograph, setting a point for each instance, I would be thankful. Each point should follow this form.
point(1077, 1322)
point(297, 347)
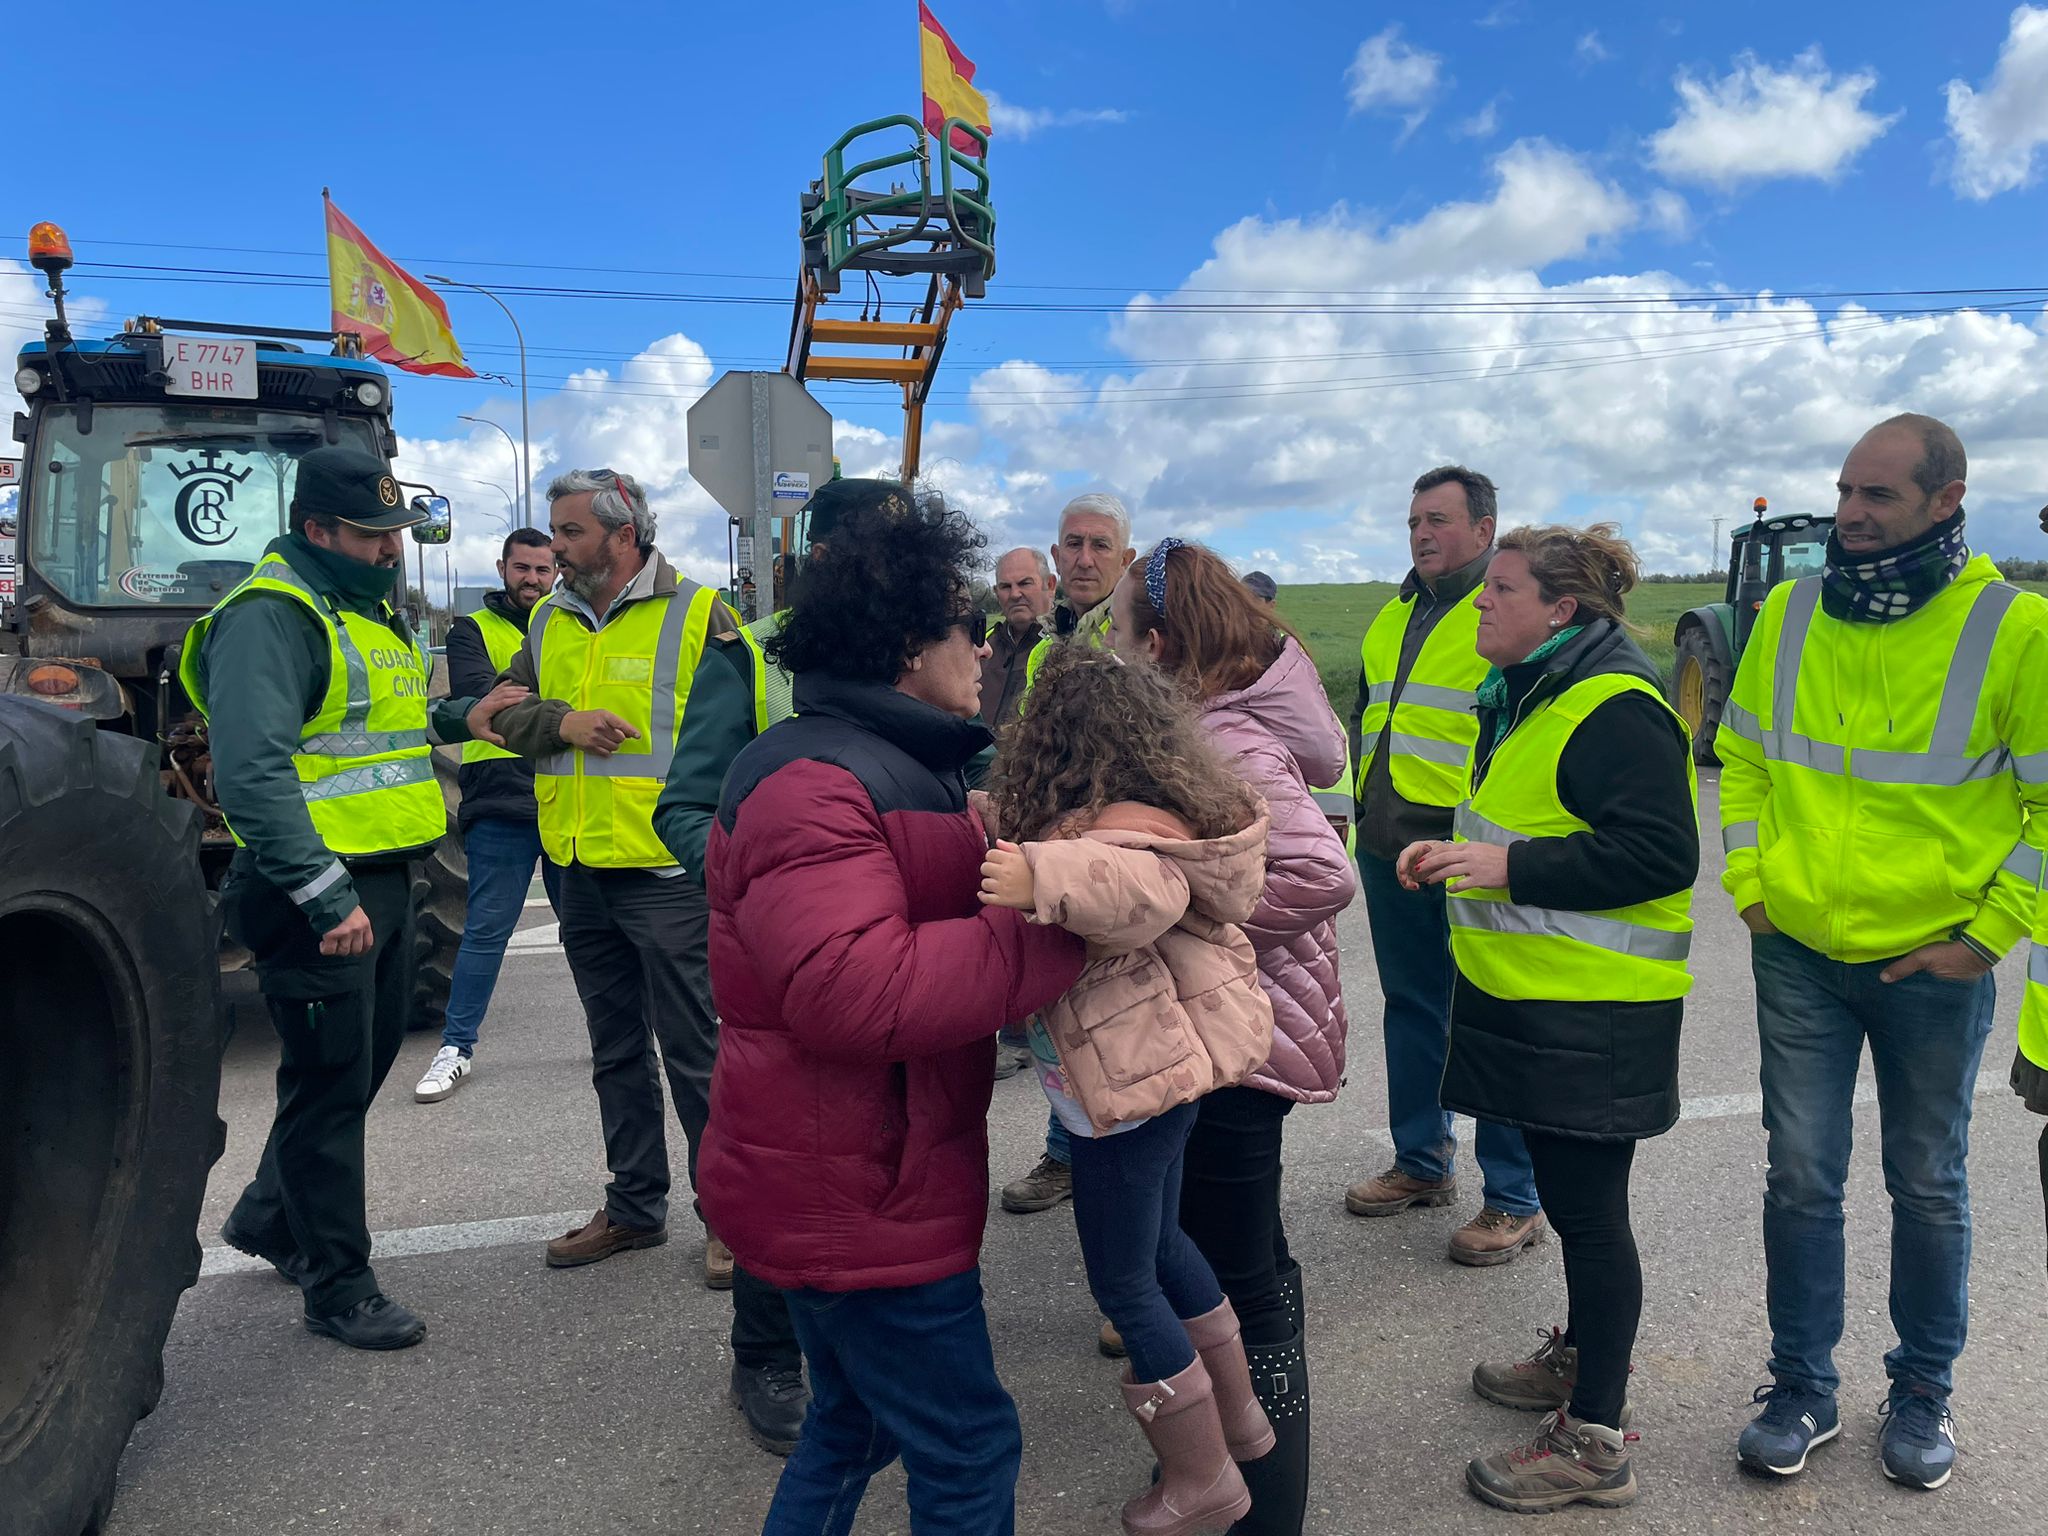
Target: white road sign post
point(759, 444)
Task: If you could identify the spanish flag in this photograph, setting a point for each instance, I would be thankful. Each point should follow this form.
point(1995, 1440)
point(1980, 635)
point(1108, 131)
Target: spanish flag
point(948, 82)
point(401, 320)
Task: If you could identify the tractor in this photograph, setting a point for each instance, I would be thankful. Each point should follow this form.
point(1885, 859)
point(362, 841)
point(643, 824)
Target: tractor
point(157, 464)
point(1709, 640)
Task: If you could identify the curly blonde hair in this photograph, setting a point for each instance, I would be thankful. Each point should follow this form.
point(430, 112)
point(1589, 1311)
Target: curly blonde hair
point(1095, 731)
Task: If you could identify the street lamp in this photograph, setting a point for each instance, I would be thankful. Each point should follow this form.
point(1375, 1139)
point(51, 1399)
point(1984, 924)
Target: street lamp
point(525, 432)
point(485, 421)
point(511, 513)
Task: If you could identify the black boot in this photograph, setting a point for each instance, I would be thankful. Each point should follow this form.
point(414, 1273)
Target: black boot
point(1278, 1481)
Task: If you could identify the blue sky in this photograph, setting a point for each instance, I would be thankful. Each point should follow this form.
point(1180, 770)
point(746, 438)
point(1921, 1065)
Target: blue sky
point(1507, 160)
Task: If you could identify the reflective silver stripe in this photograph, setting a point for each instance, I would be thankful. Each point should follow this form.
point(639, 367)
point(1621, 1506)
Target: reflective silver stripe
point(362, 743)
point(2031, 768)
point(2037, 964)
point(1967, 671)
point(2025, 861)
point(1475, 828)
point(1426, 695)
point(360, 781)
point(558, 764)
point(1738, 834)
point(1937, 768)
point(1608, 933)
point(319, 884)
point(1739, 720)
point(1791, 747)
point(1454, 754)
point(1799, 611)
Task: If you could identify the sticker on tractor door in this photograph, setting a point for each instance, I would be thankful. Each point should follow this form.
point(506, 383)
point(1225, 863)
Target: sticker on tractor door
point(209, 370)
point(792, 485)
point(152, 584)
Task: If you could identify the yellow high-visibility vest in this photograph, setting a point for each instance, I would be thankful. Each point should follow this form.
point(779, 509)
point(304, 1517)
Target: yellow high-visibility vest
point(502, 639)
point(1630, 954)
point(2034, 1007)
point(774, 689)
point(1432, 709)
point(599, 811)
point(363, 761)
point(1896, 757)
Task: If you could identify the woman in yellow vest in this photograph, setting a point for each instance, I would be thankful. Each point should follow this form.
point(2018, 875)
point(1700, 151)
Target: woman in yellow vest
point(1570, 895)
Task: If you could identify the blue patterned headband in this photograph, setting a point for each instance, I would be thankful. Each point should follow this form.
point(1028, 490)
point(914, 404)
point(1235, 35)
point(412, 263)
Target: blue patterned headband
point(1155, 572)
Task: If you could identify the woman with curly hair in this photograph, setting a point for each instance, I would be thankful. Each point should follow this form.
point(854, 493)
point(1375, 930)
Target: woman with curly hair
point(1262, 704)
point(861, 985)
point(1147, 846)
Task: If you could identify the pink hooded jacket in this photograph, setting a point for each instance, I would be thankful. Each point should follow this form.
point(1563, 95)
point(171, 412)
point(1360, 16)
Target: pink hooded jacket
point(1283, 736)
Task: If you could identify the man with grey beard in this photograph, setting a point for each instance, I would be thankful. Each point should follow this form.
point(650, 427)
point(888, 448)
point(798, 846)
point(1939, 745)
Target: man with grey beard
point(609, 657)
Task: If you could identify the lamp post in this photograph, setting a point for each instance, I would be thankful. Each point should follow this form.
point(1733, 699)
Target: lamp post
point(511, 511)
point(485, 421)
point(525, 432)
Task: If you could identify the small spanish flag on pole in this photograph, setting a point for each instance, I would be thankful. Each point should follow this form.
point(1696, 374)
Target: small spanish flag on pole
point(948, 82)
point(401, 320)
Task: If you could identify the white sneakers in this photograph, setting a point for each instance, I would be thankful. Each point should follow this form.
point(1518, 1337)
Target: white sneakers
point(449, 1067)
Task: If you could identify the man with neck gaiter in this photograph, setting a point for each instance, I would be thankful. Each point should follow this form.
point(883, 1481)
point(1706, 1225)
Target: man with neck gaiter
point(1884, 807)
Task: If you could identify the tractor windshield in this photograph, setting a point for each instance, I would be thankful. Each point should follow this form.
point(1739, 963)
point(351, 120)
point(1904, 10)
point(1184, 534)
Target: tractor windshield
point(1802, 556)
point(163, 505)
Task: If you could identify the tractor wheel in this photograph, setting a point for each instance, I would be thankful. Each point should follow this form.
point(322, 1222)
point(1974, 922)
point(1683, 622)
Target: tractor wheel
point(110, 1031)
point(440, 907)
point(1700, 683)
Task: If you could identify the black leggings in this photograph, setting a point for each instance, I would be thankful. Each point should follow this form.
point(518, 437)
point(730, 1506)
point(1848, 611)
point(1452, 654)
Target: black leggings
point(1584, 1187)
point(1230, 1206)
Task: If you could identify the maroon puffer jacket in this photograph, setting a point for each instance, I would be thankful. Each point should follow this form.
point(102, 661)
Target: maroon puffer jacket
point(1281, 736)
point(860, 986)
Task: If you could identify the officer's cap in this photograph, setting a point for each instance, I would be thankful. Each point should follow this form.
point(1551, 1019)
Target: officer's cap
point(352, 485)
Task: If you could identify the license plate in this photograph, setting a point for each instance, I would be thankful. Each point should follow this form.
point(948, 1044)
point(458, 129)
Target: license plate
point(210, 370)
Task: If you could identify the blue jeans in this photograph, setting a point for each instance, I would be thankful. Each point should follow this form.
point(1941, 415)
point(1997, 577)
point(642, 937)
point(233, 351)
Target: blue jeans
point(1926, 1038)
point(901, 1372)
point(1059, 1146)
point(1142, 1270)
point(1411, 945)
point(501, 855)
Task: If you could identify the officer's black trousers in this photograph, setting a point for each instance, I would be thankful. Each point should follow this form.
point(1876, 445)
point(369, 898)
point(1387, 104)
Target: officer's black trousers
point(340, 1022)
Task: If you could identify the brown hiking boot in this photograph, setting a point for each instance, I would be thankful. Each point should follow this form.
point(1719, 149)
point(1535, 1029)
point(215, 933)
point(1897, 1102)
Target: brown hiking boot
point(717, 1265)
point(1199, 1487)
point(1041, 1189)
point(1110, 1342)
point(1391, 1192)
point(1495, 1237)
point(600, 1239)
point(1567, 1463)
point(1543, 1383)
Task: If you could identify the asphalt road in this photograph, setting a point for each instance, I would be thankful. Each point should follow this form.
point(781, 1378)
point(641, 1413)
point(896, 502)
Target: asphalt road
point(593, 1400)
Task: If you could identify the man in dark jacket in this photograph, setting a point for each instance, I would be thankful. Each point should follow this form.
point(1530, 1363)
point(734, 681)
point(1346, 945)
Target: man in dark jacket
point(314, 690)
point(498, 818)
point(862, 984)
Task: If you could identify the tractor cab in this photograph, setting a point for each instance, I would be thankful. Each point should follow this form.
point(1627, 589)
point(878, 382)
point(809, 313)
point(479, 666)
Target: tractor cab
point(1771, 550)
point(157, 465)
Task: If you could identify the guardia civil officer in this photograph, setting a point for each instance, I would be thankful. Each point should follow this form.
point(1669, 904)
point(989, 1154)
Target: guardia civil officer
point(314, 689)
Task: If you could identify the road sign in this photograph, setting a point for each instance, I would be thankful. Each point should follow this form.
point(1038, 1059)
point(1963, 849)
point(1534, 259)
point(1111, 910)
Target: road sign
point(10, 471)
point(209, 370)
point(758, 444)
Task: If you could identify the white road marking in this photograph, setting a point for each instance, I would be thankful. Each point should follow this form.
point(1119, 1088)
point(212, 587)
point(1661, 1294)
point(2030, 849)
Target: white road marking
point(540, 939)
point(504, 1231)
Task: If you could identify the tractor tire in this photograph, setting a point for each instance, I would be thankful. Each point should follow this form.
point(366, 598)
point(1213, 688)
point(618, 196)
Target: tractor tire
point(111, 1032)
point(1699, 686)
point(440, 908)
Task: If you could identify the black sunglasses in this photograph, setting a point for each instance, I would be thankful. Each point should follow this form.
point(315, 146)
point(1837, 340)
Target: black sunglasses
point(976, 625)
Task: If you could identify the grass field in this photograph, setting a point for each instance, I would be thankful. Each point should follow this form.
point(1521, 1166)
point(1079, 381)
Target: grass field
point(1333, 619)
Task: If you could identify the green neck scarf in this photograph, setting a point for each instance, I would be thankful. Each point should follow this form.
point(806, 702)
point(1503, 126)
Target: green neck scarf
point(355, 583)
point(1493, 693)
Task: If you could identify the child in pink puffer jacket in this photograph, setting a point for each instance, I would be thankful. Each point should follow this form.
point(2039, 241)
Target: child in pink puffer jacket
point(1135, 836)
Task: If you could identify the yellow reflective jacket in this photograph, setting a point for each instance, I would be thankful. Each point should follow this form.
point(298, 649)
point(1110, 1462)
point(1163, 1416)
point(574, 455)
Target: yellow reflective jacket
point(1885, 785)
point(599, 811)
point(1434, 727)
point(502, 639)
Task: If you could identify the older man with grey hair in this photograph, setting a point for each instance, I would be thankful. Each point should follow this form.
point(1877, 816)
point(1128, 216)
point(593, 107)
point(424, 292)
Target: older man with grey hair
point(1024, 588)
point(609, 657)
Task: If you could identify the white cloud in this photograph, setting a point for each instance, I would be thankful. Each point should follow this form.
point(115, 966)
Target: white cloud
point(1759, 123)
point(1483, 124)
point(1589, 50)
point(1997, 129)
point(1388, 75)
point(1015, 122)
point(1668, 214)
point(1288, 436)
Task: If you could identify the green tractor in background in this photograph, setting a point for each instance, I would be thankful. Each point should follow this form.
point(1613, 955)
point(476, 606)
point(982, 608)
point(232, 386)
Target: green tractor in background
point(1709, 640)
